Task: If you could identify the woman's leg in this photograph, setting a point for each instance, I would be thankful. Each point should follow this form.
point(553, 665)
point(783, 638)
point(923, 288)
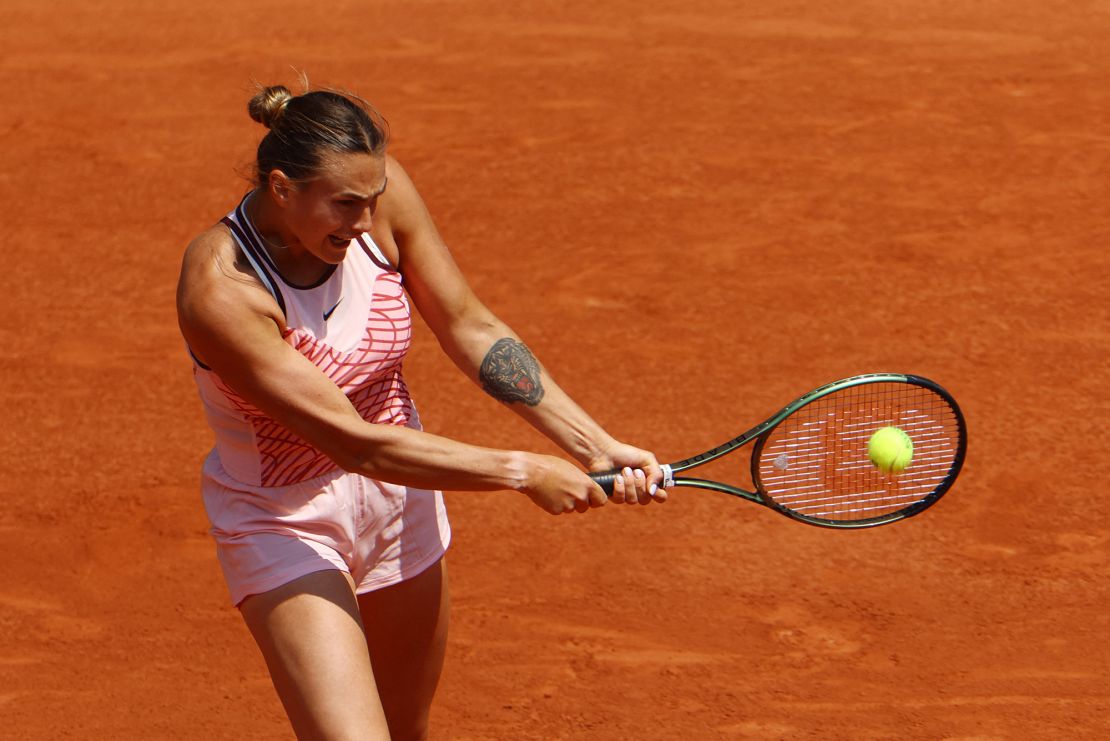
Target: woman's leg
point(311, 637)
point(406, 630)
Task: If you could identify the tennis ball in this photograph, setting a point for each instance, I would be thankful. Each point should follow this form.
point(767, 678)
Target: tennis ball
point(890, 449)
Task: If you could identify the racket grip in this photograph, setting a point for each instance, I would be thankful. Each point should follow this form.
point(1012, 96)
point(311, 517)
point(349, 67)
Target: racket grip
point(605, 479)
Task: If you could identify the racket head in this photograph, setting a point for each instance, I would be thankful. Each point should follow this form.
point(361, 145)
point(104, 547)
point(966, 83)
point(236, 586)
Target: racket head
point(813, 466)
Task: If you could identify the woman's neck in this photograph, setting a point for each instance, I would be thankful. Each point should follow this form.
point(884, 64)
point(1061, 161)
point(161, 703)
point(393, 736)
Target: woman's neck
point(295, 263)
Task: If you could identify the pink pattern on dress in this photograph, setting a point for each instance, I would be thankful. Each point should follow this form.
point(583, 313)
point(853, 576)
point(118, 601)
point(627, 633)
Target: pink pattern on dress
point(370, 376)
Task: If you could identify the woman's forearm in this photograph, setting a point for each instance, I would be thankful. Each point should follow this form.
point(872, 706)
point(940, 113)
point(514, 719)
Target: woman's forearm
point(415, 458)
point(490, 353)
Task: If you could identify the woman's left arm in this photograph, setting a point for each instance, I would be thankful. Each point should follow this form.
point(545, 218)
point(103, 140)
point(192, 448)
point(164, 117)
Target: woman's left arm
point(491, 354)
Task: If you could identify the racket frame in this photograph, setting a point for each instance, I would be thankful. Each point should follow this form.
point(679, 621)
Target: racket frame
point(762, 432)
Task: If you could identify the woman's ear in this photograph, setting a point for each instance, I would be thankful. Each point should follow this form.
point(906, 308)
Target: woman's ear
point(280, 186)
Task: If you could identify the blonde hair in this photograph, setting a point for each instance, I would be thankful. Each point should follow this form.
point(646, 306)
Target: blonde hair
point(268, 104)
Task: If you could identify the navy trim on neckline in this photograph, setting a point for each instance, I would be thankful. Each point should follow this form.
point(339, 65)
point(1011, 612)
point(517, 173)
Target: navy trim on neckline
point(372, 253)
point(196, 360)
point(249, 251)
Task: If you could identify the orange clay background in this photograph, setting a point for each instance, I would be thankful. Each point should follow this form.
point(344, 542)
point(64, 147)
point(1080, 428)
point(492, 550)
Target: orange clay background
point(693, 212)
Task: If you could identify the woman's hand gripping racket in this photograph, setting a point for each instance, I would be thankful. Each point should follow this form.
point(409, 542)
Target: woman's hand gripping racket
point(811, 461)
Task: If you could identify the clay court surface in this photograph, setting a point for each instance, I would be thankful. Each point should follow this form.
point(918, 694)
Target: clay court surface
point(693, 212)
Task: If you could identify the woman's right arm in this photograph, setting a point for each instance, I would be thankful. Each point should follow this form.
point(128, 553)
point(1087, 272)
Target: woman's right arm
point(234, 326)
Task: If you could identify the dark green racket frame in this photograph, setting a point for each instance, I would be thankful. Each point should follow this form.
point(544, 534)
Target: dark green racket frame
point(762, 432)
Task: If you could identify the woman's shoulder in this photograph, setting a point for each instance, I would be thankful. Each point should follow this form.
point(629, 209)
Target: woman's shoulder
point(401, 204)
point(217, 246)
point(219, 294)
point(395, 176)
point(216, 238)
point(213, 262)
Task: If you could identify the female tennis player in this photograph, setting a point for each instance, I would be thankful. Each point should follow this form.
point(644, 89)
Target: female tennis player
point(323, 491)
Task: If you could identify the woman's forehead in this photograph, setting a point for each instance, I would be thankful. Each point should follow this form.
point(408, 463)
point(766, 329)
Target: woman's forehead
point(357, 172)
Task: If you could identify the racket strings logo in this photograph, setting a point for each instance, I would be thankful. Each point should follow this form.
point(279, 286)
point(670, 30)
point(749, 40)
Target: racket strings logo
point(781, 461)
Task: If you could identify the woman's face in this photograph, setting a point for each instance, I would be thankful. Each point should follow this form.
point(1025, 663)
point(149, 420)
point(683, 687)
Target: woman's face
point(323, 214)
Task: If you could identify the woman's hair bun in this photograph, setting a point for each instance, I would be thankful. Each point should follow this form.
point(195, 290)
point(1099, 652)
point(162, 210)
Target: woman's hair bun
point(268, 104)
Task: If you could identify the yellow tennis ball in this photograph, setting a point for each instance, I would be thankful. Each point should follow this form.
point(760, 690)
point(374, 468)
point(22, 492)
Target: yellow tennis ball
point(890, 449)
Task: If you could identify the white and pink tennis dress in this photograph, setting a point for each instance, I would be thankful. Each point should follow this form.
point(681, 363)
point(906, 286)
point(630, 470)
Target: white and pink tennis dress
point(281, 509)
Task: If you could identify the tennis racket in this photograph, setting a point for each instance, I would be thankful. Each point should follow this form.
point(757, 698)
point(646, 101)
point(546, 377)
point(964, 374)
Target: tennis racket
point(810, 461)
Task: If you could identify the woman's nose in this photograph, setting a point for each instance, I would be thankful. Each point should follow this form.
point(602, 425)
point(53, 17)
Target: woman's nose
point(364, 221)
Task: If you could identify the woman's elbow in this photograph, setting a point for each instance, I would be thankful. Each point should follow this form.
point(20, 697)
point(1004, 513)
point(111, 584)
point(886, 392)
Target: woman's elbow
point(357, 454)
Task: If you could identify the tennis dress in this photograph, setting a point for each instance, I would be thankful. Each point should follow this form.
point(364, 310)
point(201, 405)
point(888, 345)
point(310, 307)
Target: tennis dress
point(281, 509)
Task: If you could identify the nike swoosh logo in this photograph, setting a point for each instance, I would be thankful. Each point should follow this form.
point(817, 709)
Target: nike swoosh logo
point(329, 312)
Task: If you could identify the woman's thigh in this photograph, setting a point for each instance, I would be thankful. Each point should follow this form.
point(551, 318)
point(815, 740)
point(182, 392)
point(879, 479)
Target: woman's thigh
point(310, 634)
point(406, 630)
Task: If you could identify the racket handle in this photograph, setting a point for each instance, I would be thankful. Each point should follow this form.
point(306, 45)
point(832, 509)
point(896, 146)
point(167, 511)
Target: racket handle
point(605, 479)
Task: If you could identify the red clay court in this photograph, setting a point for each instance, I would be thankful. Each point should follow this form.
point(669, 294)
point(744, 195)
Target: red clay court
point(692, 213)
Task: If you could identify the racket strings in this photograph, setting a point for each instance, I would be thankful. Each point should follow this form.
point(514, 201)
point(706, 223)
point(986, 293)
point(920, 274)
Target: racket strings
point(816, 462)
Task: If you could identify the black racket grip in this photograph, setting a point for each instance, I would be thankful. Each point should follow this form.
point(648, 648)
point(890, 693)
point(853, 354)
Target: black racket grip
point(605, 480)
